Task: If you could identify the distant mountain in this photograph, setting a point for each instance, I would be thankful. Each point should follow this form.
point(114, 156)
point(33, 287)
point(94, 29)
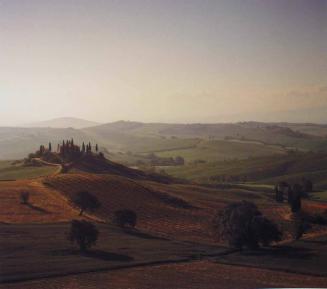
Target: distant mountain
point(64, 122)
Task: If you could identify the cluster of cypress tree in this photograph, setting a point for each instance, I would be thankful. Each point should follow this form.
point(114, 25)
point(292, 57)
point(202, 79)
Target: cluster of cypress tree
point(69, 150)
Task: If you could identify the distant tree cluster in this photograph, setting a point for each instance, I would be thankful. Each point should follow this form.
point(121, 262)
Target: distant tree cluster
point(169, 161)
point(293, 193)
point(229, 179)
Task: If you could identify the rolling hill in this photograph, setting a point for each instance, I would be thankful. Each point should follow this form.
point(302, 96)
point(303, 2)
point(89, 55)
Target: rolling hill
point(143, 138)
point(128, 134)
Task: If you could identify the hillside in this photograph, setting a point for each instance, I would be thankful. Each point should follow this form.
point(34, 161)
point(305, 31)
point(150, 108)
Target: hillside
point(14, 170)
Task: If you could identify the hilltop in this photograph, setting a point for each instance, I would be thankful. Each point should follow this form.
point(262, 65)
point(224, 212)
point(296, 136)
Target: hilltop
point(64, 122)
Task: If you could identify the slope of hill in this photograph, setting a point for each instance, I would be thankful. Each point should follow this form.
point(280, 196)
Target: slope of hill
point(64, 122)
point(45, 205)
point(92, 163)
point(268, 170)
point(181, 211)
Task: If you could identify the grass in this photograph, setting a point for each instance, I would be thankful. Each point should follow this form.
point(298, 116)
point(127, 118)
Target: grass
point(10, 170)
point(320, 196)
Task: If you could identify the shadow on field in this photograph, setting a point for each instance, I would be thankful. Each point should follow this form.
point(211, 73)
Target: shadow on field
point(36, 208)
point(282, 252)
point(97, 254)
point(107, 256)
point(143, 235)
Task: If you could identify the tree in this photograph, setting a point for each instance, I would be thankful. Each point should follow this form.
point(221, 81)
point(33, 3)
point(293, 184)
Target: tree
point(42, 149)
point(96, 148)
point(24, 197)
point(86, 201)
point(242, 224)
point(84, 233)
point(50, 147)
point(125, 218)
point(296, 198)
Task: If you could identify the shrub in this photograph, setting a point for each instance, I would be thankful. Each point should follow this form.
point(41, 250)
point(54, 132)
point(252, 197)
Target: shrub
point(242, 224)
point(84, 233)
point(86, 201)
point(24, 197)
point(125, 218)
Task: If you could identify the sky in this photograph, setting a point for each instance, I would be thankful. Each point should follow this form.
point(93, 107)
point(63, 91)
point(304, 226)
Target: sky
point(163, 61)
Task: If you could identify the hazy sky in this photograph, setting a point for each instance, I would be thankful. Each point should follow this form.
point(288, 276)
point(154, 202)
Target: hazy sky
point(171, 61)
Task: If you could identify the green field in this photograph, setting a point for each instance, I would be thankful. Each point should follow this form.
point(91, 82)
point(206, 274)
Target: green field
point(10, 170)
